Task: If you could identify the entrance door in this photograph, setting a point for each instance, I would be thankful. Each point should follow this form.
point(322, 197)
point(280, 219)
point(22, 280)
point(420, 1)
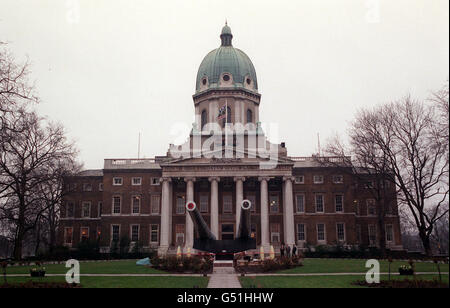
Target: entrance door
point(227, 231)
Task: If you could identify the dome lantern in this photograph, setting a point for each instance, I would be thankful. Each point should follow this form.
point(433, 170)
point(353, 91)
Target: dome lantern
point(226, 35)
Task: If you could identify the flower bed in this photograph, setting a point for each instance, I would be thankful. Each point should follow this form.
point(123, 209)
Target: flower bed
point(194, 264)
point(406, 270)
point(33, 284)
point(269, 265)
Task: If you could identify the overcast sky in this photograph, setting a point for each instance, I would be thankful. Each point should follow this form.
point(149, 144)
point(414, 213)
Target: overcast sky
point(110, 69)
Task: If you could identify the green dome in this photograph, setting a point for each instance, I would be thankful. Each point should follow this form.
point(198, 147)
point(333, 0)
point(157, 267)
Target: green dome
point(226, 59)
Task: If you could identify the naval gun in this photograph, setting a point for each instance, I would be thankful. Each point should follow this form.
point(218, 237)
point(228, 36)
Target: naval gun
point(205, 240)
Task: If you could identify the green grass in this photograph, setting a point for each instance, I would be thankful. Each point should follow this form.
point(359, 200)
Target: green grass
point(357, 266)
point(316, 281)
point(124, 282)
point(101, 267)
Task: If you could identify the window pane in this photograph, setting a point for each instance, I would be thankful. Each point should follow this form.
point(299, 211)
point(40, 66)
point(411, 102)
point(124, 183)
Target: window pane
point(300, 203)
point(180, 205)
point(136, 200)
point(134, 233)
point(274, 203)
point(339, 203)
point(227, 204)
point(156, 200)
point(319, 203)
point(116, 205)
point(301, 232)
point(340, 232)
point(115, 233)
point(320, 232)
point(204, 203)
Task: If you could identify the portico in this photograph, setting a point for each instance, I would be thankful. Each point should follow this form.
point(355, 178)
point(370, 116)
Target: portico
point(226, 184)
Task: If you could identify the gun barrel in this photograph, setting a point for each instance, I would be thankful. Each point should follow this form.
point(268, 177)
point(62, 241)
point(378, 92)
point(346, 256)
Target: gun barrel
point(244, 230)
point(201, 228)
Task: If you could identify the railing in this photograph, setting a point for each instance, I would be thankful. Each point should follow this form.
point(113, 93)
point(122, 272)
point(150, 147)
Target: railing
point(129, 161)
point(331, 159)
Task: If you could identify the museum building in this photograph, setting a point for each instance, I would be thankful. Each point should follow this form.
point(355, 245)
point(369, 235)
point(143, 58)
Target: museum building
point(295, 200)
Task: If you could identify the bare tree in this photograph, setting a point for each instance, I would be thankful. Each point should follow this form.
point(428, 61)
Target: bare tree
point(406, 134)
point(28, 155)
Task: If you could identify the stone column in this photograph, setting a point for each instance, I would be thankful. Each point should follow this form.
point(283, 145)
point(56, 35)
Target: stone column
point(215, 205)
point(189, 224)
point(288, 211)
point(239, 197)
point(265, 242)
point(165, 217)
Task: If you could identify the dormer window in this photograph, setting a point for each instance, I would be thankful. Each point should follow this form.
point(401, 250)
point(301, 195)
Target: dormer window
point(204, 81)
point(226, 77)
point(249, 81)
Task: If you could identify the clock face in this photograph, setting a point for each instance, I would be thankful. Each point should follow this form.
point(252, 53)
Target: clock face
point(246, 204)
point(190, 206)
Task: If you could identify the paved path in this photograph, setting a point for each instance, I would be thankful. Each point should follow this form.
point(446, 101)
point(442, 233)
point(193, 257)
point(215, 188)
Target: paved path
point(339, 274)
point(224, 277)
point(113, 275)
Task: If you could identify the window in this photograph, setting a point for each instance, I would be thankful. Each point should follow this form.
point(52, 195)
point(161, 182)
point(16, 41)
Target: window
point(117, 204)
point(368, 184)
point(321, 232)
point(371, 209)
point(358, 233)
point(318, 179)
point(70, 209)
point(154, 181)
point(227, 204)
point(135, 204)
point(340, 231)
point(86, 209)
point(179, 235)
point(299, 179)
point(154, 233)
point(204, 119)
point(84, 234)
point(204, 203)
point(252, 199)
point(117, 181)
point(274, 233)
point(180, 205)
point(100, 208)
point(372, 235)
point(357, 211)
point(389, 233)
point(115, 233)
point(300, 202)
point(136, 181)
point(319, 203)
point(339, 203)
point(155, 204)
point(227, 231)
point(301, 236)
point(249, 116)
point(338, 179)
point(134, 233)
point(274, 203)
point(100, 186)
point(68, 233)
point(87, 187)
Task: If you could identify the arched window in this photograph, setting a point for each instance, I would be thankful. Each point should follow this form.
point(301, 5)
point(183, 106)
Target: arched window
point(249, 116)
point(227, 116)
point(204, 119)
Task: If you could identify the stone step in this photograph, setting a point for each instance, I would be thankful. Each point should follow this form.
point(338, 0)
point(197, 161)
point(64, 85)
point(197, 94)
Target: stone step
point(223, 263)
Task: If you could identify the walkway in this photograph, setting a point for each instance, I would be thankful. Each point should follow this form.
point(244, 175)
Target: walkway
point(224, 277)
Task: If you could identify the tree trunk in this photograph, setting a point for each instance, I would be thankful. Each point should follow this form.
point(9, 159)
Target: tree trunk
point(426, 243)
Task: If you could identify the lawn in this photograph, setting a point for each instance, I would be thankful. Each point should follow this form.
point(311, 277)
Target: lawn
point(357, 266)
point(101, 267)
point(125, 282)
point(316, 281)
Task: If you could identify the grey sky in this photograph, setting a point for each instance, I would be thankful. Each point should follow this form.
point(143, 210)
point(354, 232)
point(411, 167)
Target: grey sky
point(110, 69)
